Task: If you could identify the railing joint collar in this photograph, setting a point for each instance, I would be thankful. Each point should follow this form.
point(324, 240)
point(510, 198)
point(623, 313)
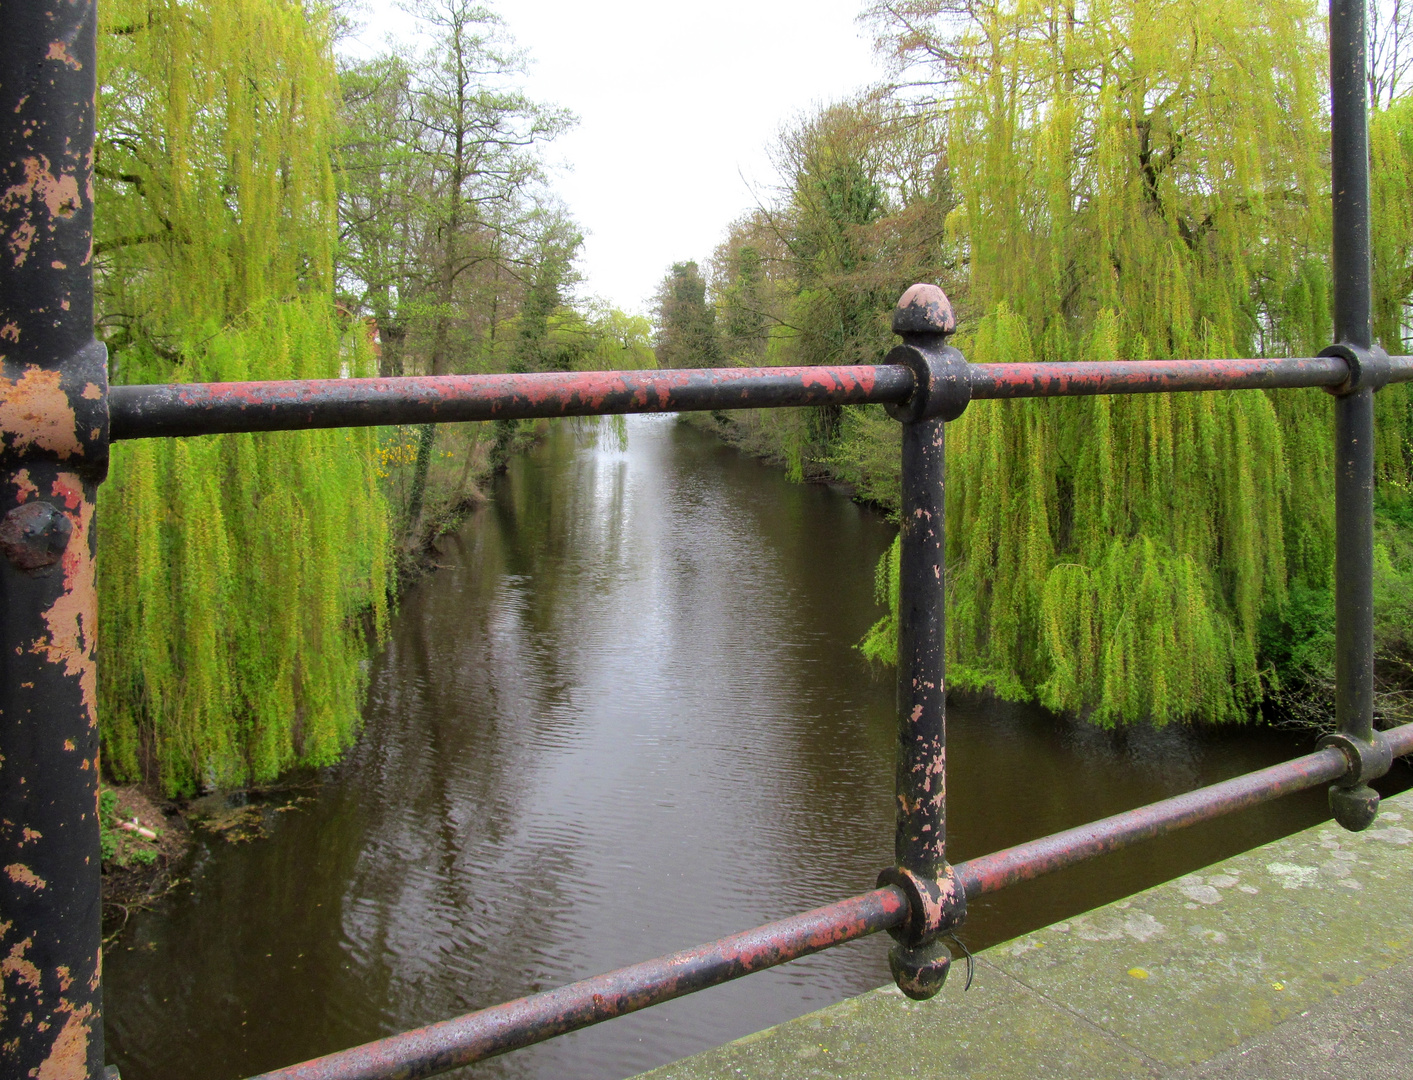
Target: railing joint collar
point(936, 907)
point(1369, 368)
point(1354, 803)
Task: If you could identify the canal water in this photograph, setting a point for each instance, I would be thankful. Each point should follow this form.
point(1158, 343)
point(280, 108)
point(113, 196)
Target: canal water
point(625, 716)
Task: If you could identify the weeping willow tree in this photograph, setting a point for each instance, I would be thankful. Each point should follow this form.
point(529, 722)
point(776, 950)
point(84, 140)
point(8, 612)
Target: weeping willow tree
point(1144, 180)
point(234, 569)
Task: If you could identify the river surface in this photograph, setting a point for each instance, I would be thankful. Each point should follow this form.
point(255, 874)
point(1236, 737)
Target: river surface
point(625, 717)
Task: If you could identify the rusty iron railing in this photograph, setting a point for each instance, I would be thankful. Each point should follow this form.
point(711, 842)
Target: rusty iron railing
point(58, 415)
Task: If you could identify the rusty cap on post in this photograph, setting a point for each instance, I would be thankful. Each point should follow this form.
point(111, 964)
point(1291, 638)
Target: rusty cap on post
point(942, 383)
point(924, 309)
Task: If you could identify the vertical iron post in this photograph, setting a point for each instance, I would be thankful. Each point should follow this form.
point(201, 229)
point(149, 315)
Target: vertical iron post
point(53, 454)
point(1354, 803)
point(937, 902)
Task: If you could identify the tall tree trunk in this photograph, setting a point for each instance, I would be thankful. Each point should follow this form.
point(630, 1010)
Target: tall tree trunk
point(426, 437)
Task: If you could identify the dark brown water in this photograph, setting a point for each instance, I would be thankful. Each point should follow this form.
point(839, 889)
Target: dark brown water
point(627, 717)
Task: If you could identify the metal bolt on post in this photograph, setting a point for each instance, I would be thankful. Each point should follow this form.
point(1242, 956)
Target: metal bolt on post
point(937, 902)
point(53, 454)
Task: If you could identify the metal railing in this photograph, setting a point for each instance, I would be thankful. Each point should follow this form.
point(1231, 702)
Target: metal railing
point(57, 417)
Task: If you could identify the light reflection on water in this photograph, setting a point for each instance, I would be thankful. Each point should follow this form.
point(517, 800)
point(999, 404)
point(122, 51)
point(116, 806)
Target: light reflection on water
point(628, 717)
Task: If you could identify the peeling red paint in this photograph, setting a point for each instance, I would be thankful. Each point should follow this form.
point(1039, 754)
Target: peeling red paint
point(68, 487)
point(202, 408)
point(191, 408)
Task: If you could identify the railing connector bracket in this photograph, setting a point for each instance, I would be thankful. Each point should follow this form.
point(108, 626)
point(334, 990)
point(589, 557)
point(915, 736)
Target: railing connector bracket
point(1370, 368)
point(936, 906)
point(1354, 803)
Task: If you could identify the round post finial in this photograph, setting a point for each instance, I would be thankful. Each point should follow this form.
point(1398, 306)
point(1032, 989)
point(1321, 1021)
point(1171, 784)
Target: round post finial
point(924, 319)
point(924, 309)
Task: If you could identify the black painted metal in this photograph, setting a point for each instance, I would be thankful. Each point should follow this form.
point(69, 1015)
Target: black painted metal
point(53, 451)
point(1354, 803)
point(145, 412)
point(920, 838)
point(1349, 171)
point(919, 961)
point(186, 409)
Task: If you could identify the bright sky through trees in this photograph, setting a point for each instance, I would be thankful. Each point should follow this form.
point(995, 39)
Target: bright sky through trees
point(676, 103)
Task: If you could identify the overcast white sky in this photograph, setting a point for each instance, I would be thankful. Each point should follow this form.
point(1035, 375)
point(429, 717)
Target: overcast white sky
point(677, 104)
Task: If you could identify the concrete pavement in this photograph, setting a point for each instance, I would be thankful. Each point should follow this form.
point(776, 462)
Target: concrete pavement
point(1291, 961)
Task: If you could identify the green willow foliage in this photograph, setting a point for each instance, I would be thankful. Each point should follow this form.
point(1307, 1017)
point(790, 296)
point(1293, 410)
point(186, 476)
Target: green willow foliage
point(1145, 180)
point(234, 569)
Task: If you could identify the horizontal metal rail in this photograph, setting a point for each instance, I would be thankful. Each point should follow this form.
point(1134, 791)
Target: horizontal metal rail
point(144, 412)
point(180, 409)
point(525, 1021)
point(479, 1035)
point(1034, 859)
point(1161, 376)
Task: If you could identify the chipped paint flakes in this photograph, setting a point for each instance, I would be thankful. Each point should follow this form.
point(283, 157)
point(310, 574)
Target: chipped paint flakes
point(16, 966)
point(25, 488)
point(59, 193)
point(59, 50)
point(23, 875)
point(35, 411)
point(73, 619)
point(68, 1060)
